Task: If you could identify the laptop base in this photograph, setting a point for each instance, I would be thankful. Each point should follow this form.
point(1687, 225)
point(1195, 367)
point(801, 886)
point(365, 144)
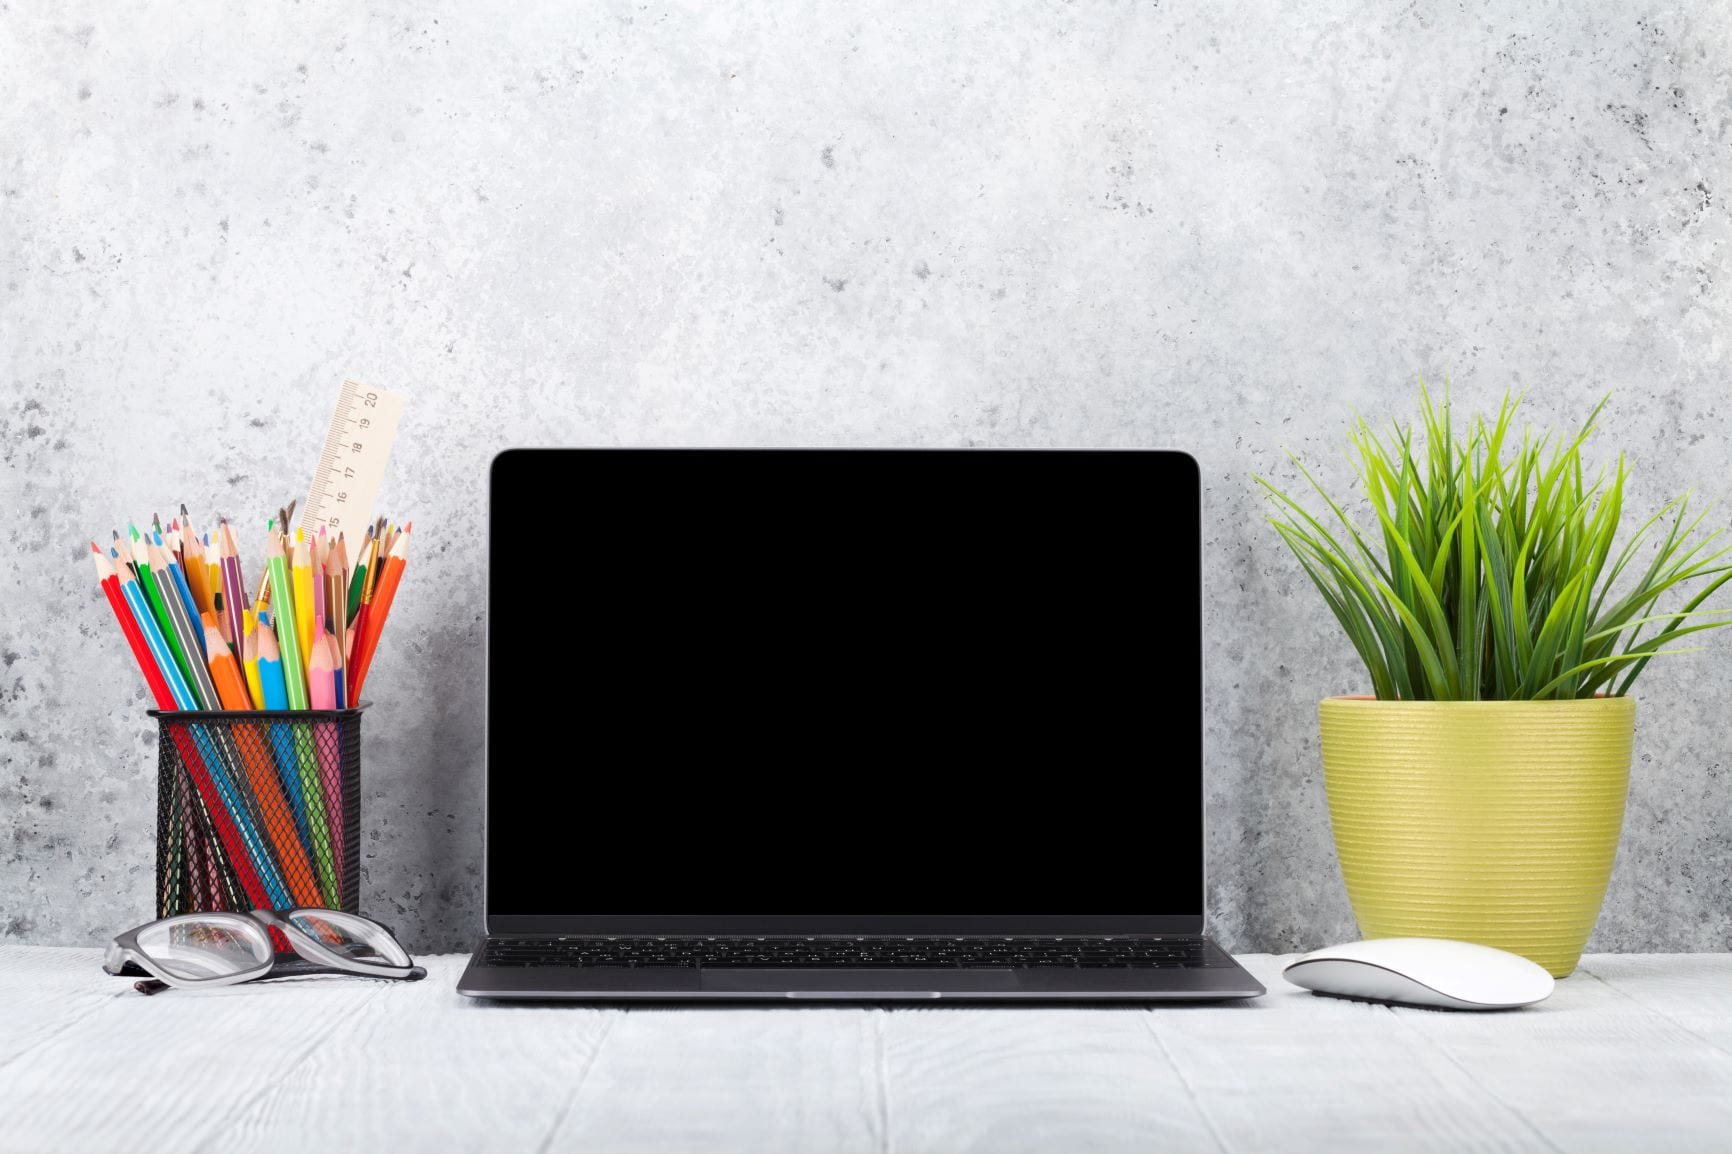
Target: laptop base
point(1219, 979)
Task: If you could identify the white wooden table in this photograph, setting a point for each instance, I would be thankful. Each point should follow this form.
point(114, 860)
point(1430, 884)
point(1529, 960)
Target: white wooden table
point(1634, 1052)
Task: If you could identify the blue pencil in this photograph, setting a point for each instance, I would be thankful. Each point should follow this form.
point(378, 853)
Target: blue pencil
point(276, 694)
point(153, 638)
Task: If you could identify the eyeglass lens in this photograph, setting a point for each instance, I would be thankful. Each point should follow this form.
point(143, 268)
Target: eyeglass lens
point(194, 949)
point(355, 938)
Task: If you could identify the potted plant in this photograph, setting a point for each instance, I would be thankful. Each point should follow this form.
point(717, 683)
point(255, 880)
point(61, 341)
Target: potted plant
point(1478, 792)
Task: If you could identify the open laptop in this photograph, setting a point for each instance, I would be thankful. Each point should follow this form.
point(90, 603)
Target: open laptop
point(845, 724)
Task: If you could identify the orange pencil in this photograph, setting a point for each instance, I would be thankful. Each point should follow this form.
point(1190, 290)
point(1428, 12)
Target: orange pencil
point(376, 612)
point(194, 563)
point(358, 627)
point(231, 687)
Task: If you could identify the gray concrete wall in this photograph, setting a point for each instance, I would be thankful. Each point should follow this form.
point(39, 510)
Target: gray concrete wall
point(1216, 226)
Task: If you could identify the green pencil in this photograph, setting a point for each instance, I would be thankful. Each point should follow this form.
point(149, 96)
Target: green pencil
point(283, 610)
point(295, 688)
point(360, 577)
point(318, 822)
point(159, 610)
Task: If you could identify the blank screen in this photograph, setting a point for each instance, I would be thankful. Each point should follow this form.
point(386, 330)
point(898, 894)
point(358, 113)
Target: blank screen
point(759, 684)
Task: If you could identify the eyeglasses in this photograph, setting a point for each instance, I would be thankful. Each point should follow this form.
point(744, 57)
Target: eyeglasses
point(196, 951)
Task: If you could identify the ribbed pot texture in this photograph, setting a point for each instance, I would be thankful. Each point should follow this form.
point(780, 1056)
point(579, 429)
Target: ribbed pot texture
point(1484, 821)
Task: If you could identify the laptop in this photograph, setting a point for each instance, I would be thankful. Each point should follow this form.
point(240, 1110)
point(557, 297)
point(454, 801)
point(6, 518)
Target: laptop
point(770, 724)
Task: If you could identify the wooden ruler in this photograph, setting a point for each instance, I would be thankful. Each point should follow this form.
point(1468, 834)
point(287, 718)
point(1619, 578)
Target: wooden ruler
point(352, 465)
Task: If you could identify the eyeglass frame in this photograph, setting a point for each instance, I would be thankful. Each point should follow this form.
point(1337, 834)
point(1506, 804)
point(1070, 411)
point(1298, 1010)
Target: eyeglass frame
point(125, 949)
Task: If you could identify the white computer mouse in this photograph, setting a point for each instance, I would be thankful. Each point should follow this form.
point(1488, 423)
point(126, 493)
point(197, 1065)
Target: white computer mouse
point(1423, 972)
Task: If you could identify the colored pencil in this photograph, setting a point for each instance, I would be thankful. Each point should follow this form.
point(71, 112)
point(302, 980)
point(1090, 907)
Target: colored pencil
point(301, 570)
point(380, 610)
point(161, 654)
point(363, 563)
point(327, 739)
point(270, 664)
point(234, 591)
point(175, 872)
point(150, 582)
point(272, 684)
point(225, 673)
point(316, 582)
point(322, 693)
point(250, 665)
point(183, 589)
point(307, 764)
point(109, 579)
point(194, 563)
point(194, 895)
point(321, 675)
point(240, 579)
point(121, 556)
point(336, 618)
point(213, 571)
point(364, 619)
point(203, 688)
point(294, 675)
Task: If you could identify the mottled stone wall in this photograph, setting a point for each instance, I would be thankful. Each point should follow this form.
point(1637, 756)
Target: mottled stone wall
point(1215, 226)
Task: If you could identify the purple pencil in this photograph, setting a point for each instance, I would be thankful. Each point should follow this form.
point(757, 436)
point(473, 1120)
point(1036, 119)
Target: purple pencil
point(234, 590)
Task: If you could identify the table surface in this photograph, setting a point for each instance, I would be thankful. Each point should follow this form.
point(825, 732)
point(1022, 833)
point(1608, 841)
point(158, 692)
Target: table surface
point(1633, 1051)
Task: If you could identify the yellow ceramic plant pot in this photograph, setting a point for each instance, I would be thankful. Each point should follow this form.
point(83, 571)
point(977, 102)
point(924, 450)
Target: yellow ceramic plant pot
point(1485, 821)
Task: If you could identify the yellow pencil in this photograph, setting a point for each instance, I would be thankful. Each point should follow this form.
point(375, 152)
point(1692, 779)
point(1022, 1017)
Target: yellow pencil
point(250, 666)
point(301, 575)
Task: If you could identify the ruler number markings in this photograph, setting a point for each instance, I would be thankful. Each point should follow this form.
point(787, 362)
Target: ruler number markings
point(352, 465)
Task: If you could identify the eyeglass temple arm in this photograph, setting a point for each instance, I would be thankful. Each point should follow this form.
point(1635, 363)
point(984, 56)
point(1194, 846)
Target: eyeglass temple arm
point(298, 968)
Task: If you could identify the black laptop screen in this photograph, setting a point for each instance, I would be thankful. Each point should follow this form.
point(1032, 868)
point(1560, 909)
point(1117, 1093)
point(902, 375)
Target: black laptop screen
point(795, 690)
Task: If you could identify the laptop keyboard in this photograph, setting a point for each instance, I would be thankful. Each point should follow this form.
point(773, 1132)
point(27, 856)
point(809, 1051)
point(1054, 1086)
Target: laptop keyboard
point(874, 953)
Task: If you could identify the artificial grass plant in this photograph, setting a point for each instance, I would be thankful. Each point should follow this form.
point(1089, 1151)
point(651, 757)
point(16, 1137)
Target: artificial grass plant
point(1490, 573)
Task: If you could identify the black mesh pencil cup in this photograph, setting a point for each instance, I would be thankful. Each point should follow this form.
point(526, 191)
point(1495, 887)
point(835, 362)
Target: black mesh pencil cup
point(258, 810)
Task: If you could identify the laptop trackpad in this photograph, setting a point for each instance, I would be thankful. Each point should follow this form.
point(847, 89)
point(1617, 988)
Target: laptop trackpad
point(856, 982)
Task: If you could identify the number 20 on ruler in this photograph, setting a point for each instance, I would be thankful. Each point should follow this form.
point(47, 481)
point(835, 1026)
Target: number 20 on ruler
point(352, 466)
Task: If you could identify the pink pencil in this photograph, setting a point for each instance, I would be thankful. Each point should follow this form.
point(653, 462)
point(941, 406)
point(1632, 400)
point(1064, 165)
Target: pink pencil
point(321, 674)
point(322, 694)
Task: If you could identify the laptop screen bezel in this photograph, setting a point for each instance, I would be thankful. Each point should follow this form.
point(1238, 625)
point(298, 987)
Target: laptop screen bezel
point(1169, 923)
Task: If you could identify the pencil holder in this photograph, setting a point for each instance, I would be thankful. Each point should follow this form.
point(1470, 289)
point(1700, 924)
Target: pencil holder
point(258, 810)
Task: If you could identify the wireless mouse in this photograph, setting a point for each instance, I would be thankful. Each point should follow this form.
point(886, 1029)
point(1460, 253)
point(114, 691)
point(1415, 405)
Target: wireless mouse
point(1428, 972)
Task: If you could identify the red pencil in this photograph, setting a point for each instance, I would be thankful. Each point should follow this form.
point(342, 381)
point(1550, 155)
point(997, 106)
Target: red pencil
point(110, 582)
